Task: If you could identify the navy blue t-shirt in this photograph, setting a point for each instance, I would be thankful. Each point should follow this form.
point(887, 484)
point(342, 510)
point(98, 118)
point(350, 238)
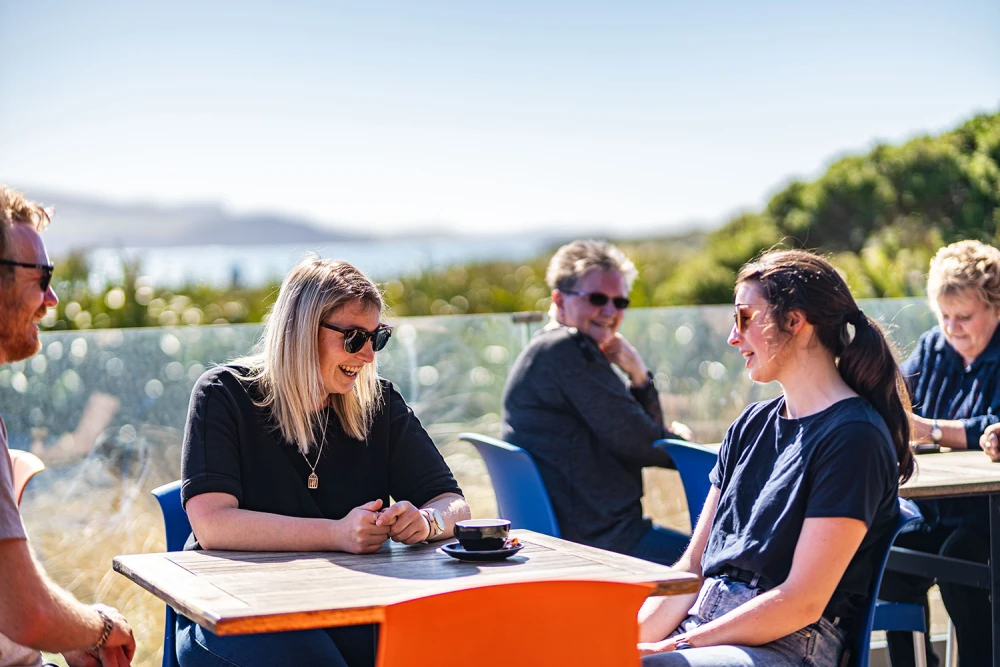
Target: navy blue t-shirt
point(775, 472)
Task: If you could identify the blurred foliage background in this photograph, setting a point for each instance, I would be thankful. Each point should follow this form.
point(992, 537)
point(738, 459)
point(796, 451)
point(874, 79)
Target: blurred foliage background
point(879, 216)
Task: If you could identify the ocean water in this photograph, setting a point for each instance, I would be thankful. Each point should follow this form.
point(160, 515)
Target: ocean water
point(256, 265)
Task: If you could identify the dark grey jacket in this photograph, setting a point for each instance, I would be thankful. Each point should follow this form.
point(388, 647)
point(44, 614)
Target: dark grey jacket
point(590, 435)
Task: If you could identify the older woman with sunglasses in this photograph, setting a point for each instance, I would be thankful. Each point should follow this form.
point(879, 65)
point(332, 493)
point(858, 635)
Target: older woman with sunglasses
point(299, 448)
point(590, 433)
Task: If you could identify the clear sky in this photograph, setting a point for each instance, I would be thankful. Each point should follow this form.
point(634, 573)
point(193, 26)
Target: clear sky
point(479, 116)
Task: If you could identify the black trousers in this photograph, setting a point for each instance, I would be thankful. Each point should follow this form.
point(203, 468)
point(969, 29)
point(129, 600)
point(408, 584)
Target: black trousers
point(969, 608)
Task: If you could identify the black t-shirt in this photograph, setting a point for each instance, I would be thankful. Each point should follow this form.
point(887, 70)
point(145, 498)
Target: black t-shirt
point(233, 446)
point(776, 472)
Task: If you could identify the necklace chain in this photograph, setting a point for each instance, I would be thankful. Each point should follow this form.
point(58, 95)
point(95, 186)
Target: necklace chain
point(312, 481)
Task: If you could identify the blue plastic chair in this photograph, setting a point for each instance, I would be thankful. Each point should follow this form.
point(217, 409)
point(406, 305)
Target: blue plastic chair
point(520, 491)
point(693, 462)
point(891, 615)
point(178, 528)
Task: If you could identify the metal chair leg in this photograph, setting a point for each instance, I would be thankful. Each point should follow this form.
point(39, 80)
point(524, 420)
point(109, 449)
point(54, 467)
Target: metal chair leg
point(951, 646)
point(919, 650)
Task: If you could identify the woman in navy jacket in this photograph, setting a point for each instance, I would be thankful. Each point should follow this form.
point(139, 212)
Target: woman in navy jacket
point(954, 380)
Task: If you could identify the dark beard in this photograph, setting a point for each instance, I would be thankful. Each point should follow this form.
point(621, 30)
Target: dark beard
point(18, 343)
point(17, 348)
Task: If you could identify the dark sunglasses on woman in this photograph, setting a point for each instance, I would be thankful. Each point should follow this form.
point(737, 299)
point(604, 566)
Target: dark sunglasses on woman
point(46, 270)
point(598, 299)
point(743, 315)
point(355, 339)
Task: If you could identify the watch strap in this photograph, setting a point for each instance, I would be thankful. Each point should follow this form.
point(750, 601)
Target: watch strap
point(430, 524)
point(936, 433)
point(434, 527)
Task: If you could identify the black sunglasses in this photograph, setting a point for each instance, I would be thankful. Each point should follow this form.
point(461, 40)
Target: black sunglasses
point(355, 339)
point(600, 298)
point(46, 270)
point(743, 316)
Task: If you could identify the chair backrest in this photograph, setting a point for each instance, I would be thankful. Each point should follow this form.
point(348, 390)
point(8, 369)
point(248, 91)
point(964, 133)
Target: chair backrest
point(26, 465)
point(178, 527)
point(693, 462)
point(175, 519)
point(581, 623)
point(520, 491)
point(908, 513)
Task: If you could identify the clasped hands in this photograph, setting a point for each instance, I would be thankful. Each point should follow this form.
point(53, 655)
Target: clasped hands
point(662, 646)
point(368, 526)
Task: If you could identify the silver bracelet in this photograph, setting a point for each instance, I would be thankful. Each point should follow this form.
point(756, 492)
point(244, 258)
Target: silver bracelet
point(109, 627)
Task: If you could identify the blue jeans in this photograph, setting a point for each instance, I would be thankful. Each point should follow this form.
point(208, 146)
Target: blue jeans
point(352, 646)
point(660, 545)
point(818, 645)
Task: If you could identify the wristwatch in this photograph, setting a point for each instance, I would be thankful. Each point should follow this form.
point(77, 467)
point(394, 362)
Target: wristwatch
point(434, 520)
point(936, 432)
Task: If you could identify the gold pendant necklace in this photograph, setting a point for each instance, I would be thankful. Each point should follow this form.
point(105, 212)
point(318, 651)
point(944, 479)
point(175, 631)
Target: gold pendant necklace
point(312, 481)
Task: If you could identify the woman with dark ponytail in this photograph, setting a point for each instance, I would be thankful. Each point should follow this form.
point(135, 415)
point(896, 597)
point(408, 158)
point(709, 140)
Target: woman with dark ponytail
point(805, 490)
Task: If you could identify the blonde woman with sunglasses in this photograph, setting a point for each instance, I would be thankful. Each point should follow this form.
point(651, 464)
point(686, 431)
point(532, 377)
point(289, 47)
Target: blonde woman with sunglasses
point(589, 431)
point(299, 448)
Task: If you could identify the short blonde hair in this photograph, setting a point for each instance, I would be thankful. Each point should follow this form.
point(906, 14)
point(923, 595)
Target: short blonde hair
point(16, 210)
point(965, 266)
point(575, 260)
point(286, 360)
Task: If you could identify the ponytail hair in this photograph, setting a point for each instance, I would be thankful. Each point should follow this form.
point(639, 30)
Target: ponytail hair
point(799, 280)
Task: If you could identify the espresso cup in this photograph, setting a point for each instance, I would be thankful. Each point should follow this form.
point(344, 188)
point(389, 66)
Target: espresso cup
point(482, 534)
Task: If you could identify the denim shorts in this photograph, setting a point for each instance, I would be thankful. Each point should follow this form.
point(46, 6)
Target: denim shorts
point(818, 645)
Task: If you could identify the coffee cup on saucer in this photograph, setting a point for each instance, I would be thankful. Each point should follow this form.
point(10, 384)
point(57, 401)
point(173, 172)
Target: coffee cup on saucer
point(482, 534)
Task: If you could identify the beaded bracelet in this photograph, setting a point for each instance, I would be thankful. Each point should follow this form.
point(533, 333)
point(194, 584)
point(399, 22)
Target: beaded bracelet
point(109, 627)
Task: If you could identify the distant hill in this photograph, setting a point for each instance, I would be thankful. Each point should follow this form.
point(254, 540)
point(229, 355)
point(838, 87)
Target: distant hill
point(93, 223)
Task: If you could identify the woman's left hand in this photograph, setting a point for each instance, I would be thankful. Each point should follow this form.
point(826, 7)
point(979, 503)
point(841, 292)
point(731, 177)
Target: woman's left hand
point(406, 523)
point(664, 646)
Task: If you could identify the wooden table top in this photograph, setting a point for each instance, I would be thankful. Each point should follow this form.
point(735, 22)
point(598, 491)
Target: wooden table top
point(959, 473)
point(231, 592)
